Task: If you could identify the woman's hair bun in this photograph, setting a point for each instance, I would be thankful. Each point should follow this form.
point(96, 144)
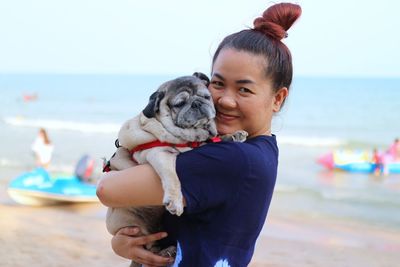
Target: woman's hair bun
point(277, 19)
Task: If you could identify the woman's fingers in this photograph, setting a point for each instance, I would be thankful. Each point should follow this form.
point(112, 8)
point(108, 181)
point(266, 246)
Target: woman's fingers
point(131, 231)
point(147, 239)
point(126, 243)
point(138, 238)
point(148, 258)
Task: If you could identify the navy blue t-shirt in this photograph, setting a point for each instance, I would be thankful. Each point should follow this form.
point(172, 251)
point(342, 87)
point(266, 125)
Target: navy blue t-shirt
point(228, 188)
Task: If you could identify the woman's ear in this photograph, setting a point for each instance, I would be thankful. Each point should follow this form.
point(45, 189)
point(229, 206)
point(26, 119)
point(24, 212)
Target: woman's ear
point(280, 97)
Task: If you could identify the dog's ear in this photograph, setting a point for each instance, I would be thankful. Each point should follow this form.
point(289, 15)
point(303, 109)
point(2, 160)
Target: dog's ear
point(154, 104)
point(202, 77)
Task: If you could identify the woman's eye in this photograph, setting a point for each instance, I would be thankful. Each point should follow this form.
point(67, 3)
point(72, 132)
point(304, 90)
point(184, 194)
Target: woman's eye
point(245, 90)
point(217, 84)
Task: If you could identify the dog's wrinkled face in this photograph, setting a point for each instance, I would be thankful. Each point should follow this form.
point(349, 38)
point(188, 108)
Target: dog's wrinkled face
point(184, 103)
point(190, 103)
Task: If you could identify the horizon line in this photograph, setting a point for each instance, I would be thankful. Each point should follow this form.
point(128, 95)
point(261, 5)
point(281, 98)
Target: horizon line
point(326, 76)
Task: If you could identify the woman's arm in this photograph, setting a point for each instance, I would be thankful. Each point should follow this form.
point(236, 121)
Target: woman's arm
point(135, 186)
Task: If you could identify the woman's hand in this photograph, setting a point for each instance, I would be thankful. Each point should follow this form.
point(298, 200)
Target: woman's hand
point(128, 244)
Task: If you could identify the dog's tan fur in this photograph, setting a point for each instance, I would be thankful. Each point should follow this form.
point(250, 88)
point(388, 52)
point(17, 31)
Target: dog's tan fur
point(145, 128)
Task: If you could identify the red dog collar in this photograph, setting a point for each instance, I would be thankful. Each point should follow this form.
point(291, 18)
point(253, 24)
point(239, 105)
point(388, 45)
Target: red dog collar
point(159, 143)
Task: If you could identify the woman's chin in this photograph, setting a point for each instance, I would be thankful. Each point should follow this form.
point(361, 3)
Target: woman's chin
point(226, 130)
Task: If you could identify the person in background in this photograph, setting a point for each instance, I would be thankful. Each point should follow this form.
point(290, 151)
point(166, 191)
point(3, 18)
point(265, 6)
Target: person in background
point(227, 186)
point(394, 150)
point(377, 160)
point(42, 149)
point(391, 155)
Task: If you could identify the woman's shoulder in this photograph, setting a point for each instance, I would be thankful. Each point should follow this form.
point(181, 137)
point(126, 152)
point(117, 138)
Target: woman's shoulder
point(252, 147)
point(257, 148)
point(228, 162)
point(264, 144)
point(263, 141)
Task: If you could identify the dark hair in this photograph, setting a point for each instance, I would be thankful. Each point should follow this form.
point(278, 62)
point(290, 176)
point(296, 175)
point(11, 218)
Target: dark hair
point(265, 39)
point(46, 138)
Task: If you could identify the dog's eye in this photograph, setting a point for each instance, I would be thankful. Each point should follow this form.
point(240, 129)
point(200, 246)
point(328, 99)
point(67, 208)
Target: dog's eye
point(207, 97)
point(179, 104)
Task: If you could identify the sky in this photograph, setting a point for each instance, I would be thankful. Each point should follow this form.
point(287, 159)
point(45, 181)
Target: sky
point(340, 38)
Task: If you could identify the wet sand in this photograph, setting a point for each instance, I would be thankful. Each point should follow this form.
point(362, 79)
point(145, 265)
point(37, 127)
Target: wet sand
point(75, 235)
point(299, 242)
point(66, 235)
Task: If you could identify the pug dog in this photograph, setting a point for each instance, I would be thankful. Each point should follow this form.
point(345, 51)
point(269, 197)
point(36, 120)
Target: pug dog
point(179, 116)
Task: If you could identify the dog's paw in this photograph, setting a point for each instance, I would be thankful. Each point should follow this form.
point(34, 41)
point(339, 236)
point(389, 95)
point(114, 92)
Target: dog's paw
point(239, 136)
point(173, 204)
point(168, 252)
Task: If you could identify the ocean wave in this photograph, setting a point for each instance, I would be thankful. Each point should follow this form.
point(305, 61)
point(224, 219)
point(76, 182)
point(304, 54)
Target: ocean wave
point(24, 166)
point(9, 163)
point(376, 196)
point(311, 141)
point(357, 197)
point(106, 127)
point(85, 127)
point(354, 196)
point(284, 188)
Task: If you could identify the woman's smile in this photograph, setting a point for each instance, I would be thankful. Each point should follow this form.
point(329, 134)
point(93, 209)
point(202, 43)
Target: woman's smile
point(225, 117)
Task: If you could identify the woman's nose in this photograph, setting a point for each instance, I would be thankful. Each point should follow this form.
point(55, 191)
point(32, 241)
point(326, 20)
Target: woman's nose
point(227, 101)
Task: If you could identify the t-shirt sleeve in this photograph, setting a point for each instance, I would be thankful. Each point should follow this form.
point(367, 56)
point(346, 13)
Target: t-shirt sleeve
point(210, 175)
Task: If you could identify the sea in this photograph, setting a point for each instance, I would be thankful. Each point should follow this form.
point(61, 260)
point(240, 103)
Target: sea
point(82, 114)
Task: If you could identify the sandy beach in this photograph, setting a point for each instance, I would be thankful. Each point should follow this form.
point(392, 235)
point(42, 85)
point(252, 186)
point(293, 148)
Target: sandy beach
point(75, 235)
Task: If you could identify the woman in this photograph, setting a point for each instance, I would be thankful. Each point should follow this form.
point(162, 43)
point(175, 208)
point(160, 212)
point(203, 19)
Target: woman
point(227, 186)
point(42, 149)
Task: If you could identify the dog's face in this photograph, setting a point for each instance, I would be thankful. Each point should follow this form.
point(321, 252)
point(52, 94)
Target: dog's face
point(184, 106)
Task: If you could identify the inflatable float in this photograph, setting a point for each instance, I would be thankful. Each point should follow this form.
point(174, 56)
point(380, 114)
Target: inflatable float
point(39, 188)
point(357, 161)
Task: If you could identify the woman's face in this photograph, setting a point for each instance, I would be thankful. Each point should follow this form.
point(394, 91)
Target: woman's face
point(242, 95)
